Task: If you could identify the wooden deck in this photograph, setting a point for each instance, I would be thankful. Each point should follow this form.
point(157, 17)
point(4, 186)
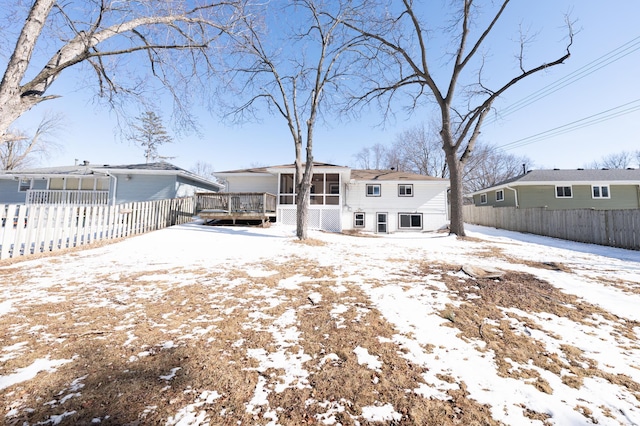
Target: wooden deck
point(234, 206)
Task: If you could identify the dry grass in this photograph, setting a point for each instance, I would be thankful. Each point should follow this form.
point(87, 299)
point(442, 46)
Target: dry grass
point(120, 352)
point(118, 336)
point(484, 318)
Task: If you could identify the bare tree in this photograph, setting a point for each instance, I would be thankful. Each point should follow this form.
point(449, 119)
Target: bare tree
point(404, 61)
point(488, 166)
point(19, 149)
point(620, 160)
point(204, 169)
point(297, 82)
point(97, 34)
point(371, 157)
point(149, 132)
point(419, 150)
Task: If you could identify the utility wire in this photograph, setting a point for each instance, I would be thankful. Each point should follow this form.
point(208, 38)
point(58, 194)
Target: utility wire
point(593, 66)
point(609, 114)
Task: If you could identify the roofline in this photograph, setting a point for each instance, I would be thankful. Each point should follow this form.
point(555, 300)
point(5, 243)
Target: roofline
point(106, 172)
point(406, 180)
point(554, 183)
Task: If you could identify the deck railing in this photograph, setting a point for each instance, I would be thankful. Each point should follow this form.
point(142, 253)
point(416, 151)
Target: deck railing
point(236, 202)
point(85, 198)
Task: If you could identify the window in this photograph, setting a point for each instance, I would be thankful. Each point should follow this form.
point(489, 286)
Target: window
point(410, 220)
point(24, 185)
point(325, 189)
point(483, 198)
point(373, 190)
point(358, 220)
point(563, 192)
point(500, 195)
point(286, 189)
point(600, 191)
point(405, 190)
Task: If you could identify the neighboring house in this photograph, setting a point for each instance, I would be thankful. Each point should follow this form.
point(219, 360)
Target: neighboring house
point(566, 189)
point(379, 201)
point(91, 184)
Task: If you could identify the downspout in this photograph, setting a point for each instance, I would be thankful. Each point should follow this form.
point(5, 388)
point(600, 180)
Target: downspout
point(515, 194)
point(115, 187)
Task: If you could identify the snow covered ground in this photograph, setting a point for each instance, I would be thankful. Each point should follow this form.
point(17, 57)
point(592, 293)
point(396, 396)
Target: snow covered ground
point(122, 333)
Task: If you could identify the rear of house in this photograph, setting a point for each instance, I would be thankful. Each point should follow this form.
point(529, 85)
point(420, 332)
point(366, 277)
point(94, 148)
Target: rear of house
point(380, 201)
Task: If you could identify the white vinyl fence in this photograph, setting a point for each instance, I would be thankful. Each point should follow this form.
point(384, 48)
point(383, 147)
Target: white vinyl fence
point(615, 228)
point(38, 228)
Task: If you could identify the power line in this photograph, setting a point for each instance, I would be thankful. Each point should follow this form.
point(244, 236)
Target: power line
point(593, 66)
point(608, 114)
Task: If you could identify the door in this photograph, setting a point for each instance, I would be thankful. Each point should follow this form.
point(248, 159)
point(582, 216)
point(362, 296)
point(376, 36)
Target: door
point(381, 223)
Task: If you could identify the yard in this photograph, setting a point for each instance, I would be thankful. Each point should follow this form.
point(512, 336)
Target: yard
point(195, 325)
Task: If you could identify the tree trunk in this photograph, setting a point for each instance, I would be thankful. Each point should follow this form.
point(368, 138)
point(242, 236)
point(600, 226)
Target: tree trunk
point(456, 225)
point(303, 195)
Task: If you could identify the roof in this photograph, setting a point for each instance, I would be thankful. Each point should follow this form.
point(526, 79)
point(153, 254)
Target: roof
point(160, 168)
point(269, 169)
point(574, 176)
point(390, 175)
point(356, 174)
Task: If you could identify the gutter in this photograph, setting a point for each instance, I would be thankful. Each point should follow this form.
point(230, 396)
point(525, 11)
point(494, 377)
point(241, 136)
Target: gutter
point(515, 193)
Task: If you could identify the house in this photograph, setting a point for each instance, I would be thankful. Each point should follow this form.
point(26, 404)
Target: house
point(380, 201)
point(555, 189)
point(90, 184)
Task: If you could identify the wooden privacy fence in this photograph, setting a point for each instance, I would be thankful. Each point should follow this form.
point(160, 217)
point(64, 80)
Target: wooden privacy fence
point(29, 229)
point(615, 228)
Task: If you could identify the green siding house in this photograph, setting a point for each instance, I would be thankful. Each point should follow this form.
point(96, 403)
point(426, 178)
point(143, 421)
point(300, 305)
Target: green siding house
point(603, 189)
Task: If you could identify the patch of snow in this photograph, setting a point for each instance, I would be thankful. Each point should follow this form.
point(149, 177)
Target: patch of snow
point(384, 413)
point(28, 373)
point(172, 374)
point(365, 358)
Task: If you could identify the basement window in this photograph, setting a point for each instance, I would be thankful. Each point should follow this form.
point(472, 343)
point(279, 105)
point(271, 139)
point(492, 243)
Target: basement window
point(410, 220)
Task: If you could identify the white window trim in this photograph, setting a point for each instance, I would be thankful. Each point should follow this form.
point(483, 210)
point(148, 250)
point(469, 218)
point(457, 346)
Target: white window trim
point(400, 227)
point(563, 186)
point(373, 185)
point(364, 220)
point(405, 185)
point(601, 197)
point(501, 199)
point(24, 180)
point(483, 198)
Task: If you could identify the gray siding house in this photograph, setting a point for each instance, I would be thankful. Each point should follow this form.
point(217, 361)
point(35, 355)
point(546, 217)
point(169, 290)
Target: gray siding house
point(603, 189)
point(90, 184)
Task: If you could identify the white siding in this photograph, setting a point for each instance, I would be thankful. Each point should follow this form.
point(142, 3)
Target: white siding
point(429, 198)
point(260, 183)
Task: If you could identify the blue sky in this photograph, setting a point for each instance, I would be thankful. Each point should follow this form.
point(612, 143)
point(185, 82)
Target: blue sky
point(91, 131)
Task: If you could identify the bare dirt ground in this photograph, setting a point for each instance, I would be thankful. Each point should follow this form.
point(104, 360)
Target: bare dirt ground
point(206, 344)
